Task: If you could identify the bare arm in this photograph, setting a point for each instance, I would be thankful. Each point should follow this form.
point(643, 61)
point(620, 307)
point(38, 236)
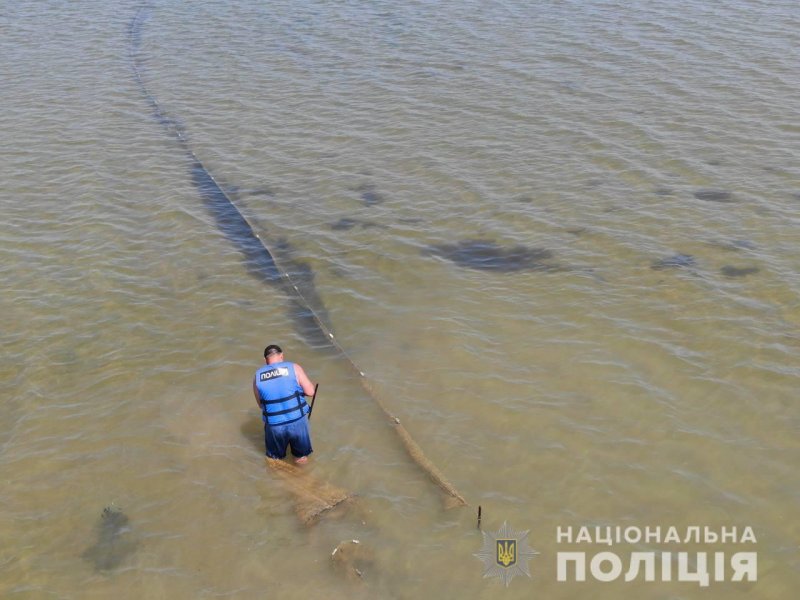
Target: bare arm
point(303, 380)
point(256, 394)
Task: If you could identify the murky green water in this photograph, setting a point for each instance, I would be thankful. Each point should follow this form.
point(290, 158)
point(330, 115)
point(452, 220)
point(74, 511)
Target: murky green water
point(366, 140)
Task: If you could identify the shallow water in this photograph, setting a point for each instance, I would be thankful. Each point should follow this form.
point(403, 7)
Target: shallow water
point(614, 136)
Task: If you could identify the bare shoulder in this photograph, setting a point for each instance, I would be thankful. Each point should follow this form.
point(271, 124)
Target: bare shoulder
point(303, 380)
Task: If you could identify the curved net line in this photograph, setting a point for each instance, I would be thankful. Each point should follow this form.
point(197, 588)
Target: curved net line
point(454, 498)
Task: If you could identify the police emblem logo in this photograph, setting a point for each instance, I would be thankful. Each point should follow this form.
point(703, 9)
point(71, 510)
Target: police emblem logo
point(505, 554)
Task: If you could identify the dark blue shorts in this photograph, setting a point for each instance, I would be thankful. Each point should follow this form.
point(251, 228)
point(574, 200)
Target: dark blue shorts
point(295, 435)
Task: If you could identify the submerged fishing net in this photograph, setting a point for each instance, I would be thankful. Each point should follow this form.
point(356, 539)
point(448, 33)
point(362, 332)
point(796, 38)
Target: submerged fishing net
point(453, 497)
point(312, 497)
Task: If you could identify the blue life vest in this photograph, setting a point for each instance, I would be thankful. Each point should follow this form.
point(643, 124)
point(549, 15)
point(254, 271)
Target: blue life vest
point(282, 398)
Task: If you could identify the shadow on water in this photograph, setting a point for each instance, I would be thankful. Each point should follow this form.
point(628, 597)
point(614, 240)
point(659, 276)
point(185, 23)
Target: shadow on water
point(235, 229)
point(732, 272)
point(714, 195)
point(486, 255)
point(370, 196)
point(346, 224)
point(676, 261)
point(259, 261)
point(114, 543)
point(306, 307)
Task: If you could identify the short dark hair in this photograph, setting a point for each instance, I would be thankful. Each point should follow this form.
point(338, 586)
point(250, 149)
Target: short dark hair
point(271, 350)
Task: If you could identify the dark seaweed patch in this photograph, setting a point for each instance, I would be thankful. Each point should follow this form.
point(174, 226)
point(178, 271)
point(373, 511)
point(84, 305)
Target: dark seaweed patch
point(714, 195)
point(344, 224)
point(675, 261)
point(489, 256)
point(262, 191)
point(369, 195)
point(114, 543)
point(731, 271)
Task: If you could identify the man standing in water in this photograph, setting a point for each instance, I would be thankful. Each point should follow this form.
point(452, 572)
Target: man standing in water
point(279, 387)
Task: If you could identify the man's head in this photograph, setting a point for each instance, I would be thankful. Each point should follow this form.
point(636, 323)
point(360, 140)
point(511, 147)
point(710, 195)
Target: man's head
point(273, 354)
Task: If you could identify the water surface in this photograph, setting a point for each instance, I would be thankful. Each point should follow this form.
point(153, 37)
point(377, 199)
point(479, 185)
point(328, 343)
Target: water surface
point(358, 137)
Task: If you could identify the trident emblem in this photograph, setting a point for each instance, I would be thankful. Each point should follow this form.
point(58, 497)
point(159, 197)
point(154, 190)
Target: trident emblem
point(506, 553)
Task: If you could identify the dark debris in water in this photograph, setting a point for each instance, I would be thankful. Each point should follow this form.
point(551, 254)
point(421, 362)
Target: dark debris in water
point(369, 195)
point(675, 261)
point(714, 195)
point(732, 272)
point(114, 543)
point(346, 224)
point(487, 255)
point(576, 230)
point(261, 191)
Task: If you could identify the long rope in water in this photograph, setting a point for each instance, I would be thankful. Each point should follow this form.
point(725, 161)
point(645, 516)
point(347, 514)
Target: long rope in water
point(454, 498)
